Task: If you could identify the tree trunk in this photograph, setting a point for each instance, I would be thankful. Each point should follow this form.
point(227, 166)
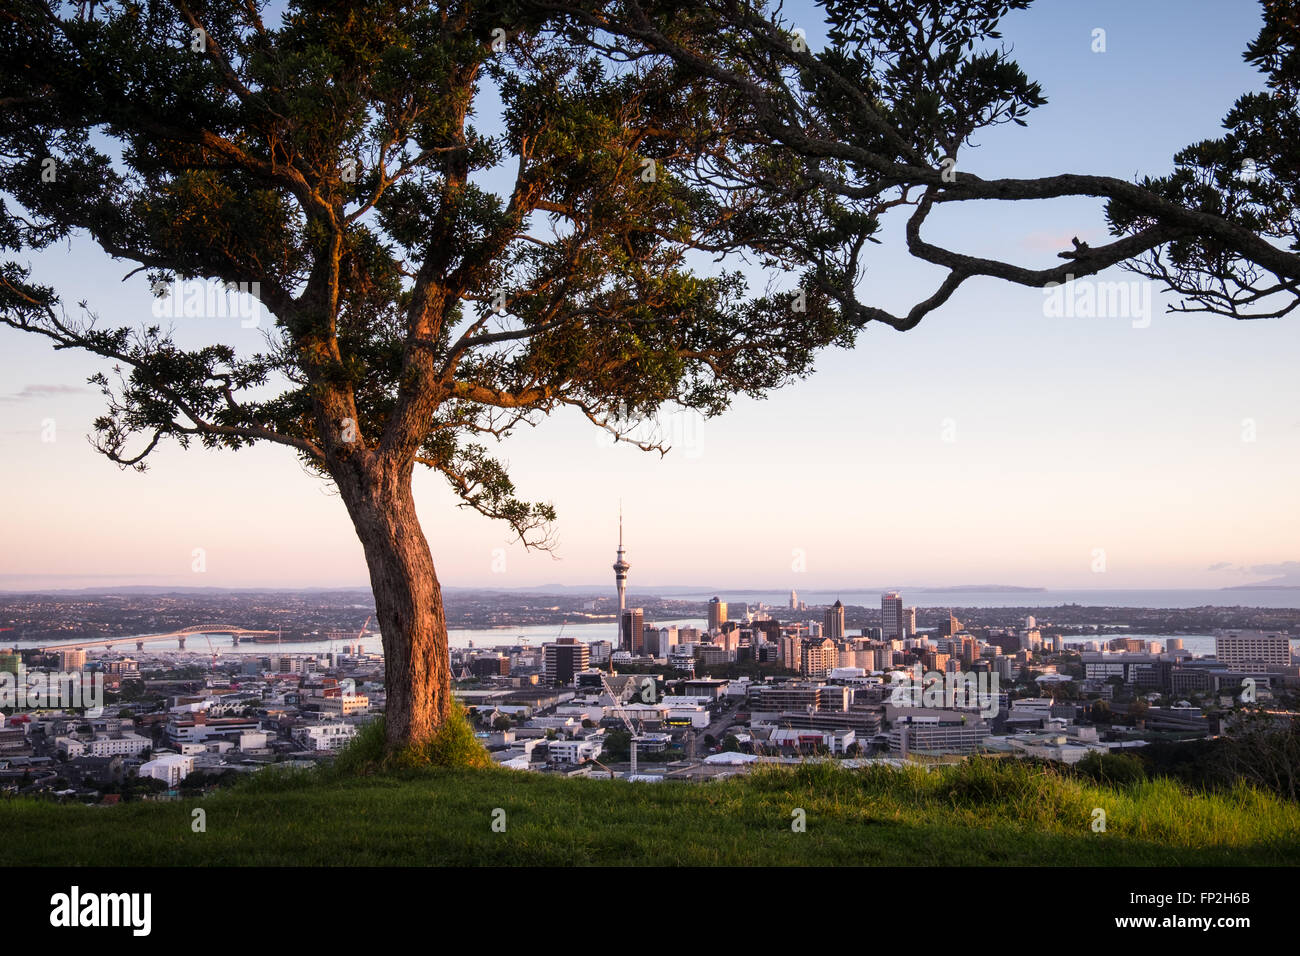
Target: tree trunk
point(408, 599)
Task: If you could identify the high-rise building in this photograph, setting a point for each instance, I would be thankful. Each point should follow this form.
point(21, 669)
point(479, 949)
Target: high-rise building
point(909, 622)
point(818, 656)
point(631, 630)
point(834, 622)
point(891, 615)
point(1247, 651)
point(717, 614)
point(769, 631)
point(73, 660)
point(563, 659)
point(728, 638)
point(667, 639)
point(794, 600)
point(621, 567)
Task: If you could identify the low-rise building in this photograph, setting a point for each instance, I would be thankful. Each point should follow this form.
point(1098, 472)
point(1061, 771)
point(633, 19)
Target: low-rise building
point(574, 751)
point(324, 736)
point(934, 731)
point(171, 769)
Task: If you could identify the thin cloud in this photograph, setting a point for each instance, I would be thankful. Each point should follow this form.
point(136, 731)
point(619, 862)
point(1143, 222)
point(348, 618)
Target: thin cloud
point(1288, 568)
point(32, 392)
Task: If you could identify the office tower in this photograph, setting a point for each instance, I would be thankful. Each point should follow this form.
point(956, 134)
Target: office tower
point(631, 630)
point(794, 600)
point(770, 631)
point(73, 660)
point(563, 659)
point(909, 622)
point(1246, 651)
point(650, 641)
point(717, 614)
point(621, 567)
point(834, 622)
point(949, 626)
point(1030, 623)
point(965, 648)
point(891, 615)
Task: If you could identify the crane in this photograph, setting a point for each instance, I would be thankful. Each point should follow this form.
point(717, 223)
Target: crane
point(622, 713)
point(213, 649)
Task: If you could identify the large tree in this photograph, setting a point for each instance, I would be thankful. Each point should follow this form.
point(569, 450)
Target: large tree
point(828, 141)
point(331, 161)
point(329, 164)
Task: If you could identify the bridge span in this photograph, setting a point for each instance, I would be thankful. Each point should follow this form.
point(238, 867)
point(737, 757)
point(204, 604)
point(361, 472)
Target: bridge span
point(141, 639)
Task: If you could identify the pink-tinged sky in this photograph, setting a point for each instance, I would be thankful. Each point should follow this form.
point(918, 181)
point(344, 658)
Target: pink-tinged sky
point(994, 443)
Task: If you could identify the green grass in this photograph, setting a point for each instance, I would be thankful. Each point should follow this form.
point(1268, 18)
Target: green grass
point(981, 812)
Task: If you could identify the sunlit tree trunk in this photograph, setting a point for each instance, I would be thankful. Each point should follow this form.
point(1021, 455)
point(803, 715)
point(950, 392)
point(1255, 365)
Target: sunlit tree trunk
point(408, 600)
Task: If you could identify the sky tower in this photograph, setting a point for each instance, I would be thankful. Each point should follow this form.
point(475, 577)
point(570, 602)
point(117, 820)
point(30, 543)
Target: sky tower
point(620, 567)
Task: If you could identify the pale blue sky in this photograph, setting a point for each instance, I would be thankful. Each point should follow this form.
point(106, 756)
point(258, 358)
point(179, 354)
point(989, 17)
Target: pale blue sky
point(1068, 435)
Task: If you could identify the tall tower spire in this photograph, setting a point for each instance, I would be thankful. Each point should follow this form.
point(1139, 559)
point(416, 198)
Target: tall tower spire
point(621, 567)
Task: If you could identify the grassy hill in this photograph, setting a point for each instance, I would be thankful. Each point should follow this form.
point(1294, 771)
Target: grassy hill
point(982, 813)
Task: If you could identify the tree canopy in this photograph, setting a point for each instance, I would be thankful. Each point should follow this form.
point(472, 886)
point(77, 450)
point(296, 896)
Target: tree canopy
point(430, 280)
point(829, 142)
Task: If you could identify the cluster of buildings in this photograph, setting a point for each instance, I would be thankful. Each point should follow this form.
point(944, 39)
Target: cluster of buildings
point(836, 693)
point(786, 689)
point(1257, 660)
point(282, 707)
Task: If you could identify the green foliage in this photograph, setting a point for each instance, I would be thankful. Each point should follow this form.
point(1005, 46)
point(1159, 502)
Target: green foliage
point(1117, 768)
point(1249, 175)
point(616, 746)
point(333, 159)
point(201, 780)
point(1263, 750)
point(454, 745)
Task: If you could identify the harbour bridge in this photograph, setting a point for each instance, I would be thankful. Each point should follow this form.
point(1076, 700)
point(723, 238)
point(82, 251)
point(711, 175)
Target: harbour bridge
point(140, 640)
